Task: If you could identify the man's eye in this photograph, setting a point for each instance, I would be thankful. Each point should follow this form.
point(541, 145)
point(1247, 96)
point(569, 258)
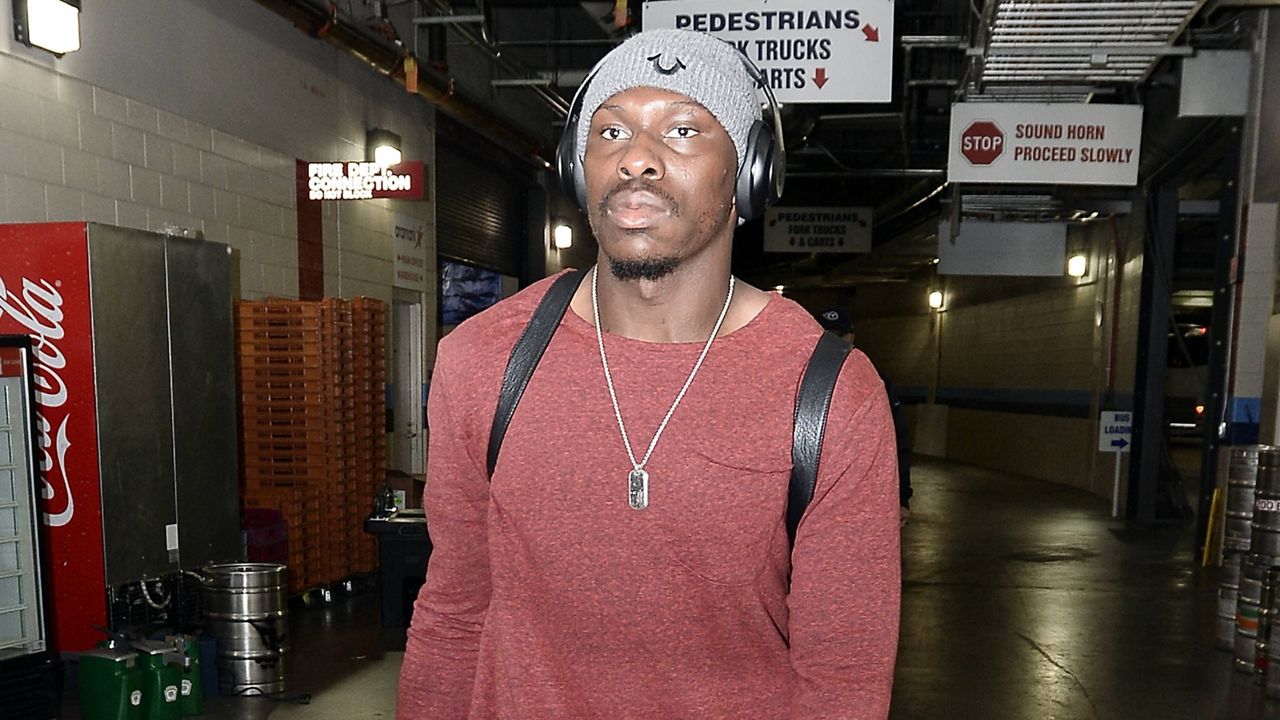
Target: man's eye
point(612, 133)
point(684, 132)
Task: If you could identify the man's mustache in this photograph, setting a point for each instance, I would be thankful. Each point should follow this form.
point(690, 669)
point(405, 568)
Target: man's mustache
point(639, 185)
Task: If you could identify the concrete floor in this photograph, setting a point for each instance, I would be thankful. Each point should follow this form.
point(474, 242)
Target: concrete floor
point(1021, 601)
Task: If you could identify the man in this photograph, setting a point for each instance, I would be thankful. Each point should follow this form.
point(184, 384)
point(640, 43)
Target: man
point(836, 320)
point(629, 558)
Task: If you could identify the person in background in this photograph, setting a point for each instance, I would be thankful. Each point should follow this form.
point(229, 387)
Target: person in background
point(629, 555)
point(836, 320)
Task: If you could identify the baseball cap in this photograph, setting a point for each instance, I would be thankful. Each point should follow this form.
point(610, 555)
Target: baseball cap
point(836, 320)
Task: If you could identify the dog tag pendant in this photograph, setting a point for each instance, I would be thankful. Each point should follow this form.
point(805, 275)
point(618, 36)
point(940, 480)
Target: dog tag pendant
point(638, 489)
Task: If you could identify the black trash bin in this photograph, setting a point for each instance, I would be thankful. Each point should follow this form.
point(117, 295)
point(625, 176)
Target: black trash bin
point(403, 549)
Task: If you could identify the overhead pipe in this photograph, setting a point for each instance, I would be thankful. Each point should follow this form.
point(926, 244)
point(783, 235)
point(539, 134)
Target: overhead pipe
point(562, 42)
point(482, 41)
point(389, 60)
point(868, 173)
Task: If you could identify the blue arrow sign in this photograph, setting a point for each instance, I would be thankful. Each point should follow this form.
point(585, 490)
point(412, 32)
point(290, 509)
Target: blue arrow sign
point(1120, 443)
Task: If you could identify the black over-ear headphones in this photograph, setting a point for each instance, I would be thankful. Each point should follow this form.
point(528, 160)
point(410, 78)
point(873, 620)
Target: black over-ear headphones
point(760, 178)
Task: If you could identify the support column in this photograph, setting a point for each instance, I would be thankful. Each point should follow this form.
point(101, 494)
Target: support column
point(1254, 388)
point(1153, 333)
point(1225, 298)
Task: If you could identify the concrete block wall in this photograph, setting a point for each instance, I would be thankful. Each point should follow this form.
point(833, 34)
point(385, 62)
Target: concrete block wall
point(1019, 368)
point(73, 151)
point(1035, 349)
point(1127, 303)
point(902, 347)
point(1039, 342)
point(78, 141)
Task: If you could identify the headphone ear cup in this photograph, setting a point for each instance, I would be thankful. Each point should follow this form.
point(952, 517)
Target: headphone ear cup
point(568, 158)
point(567, 164)
point(757, 185)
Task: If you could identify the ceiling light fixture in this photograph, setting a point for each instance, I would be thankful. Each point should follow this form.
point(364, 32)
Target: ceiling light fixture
point(52, 25)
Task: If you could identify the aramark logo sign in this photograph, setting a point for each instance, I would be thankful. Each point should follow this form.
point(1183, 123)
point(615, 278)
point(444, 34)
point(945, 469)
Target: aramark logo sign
point(39, 311)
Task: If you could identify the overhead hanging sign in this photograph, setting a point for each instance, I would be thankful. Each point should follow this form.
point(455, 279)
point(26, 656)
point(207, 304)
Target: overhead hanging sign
point(411, 253)
point(817, 229)
point(1049, 143)
point(365, 181)
point(1003, 248)
point(821, 51)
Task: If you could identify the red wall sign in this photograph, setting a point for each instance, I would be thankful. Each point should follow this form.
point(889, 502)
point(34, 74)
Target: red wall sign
point(365, 181)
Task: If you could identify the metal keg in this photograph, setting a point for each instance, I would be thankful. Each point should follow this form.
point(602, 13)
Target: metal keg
point(1228, 587)
point(1250, 613)
point(1242, 479)
point(1271, 592)
point(246, 611)
point(1266, 505)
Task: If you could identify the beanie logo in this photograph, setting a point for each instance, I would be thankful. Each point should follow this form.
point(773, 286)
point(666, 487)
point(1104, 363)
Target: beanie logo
point(831, 315)
point(672, 70)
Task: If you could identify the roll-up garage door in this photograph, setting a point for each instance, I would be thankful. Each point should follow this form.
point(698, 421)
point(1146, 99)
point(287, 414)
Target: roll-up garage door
point(480, 212)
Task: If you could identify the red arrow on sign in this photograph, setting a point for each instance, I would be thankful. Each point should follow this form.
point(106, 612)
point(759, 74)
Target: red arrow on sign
point(872, 33)
point(820, 77)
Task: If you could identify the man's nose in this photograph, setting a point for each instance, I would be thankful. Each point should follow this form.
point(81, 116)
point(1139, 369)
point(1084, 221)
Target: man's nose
point(642, 158)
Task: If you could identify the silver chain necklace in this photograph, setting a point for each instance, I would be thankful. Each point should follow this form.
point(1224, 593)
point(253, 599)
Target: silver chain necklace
point(638, 478)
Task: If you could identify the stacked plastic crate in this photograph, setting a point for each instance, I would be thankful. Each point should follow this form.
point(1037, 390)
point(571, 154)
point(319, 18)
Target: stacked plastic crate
point(312, 377)
point(370, 319)
point(336, 320)
point(284, 423)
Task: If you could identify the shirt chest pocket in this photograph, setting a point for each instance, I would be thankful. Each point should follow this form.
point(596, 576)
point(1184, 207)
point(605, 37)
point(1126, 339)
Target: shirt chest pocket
point(720, 514)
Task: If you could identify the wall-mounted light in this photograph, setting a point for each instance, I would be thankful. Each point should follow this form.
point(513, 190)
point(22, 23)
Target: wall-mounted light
point(562, 237)
point(383, 147)
point(52, 25)
point(1077, 266)
point(935, 299)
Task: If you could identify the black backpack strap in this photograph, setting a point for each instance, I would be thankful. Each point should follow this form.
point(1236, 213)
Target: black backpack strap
point(526, 354)
point(812, 403)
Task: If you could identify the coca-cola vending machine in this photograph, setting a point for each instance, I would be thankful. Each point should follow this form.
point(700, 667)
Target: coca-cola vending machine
point(28, 669)
point(135, 389)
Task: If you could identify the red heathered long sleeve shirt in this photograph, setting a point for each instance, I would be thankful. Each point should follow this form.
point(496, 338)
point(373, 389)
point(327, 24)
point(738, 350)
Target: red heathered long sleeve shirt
point(547, 596)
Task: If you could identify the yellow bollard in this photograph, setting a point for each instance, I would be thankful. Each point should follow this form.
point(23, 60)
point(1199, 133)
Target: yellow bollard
point(1210, 535)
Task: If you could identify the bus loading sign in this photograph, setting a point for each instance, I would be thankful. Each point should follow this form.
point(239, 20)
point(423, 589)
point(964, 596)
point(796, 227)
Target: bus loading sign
point(814, 51)
point(1115, 429)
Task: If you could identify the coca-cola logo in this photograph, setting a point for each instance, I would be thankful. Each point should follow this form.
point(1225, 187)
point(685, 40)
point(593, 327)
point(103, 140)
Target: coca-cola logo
point(39, 311)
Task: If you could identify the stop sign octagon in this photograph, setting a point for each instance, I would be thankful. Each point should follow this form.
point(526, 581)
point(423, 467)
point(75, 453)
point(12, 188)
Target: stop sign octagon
point(982, 142)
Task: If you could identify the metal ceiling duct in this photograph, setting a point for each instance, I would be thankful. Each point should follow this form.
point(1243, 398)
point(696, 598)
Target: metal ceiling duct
point(1049, 42)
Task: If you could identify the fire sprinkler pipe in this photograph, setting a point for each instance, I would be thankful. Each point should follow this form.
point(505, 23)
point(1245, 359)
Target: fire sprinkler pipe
point(323, 23)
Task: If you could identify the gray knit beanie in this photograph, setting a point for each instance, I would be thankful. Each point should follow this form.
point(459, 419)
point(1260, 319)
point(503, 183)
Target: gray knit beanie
point(691, 63)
